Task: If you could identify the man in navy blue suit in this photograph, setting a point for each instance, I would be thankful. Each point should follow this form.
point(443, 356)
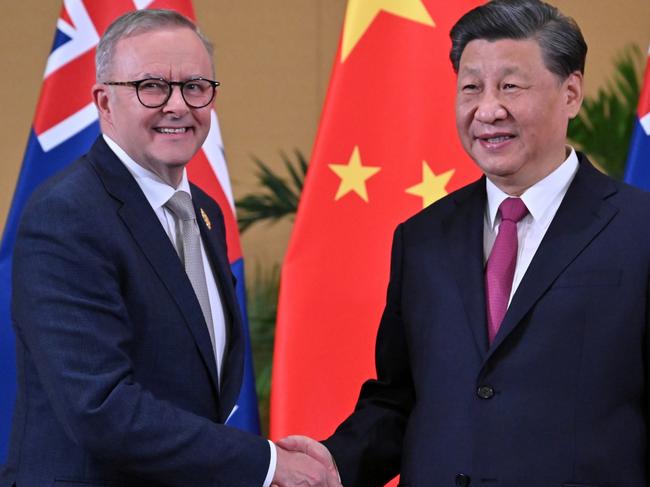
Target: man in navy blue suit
point(514, 347)
point(130, 358)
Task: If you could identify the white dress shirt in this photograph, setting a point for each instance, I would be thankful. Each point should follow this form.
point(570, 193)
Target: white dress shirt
point(158, 193)
point(542, 200)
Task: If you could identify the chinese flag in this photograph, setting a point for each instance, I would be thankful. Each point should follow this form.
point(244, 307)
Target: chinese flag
point(386, 148)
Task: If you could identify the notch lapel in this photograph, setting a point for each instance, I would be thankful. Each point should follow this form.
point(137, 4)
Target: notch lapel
point(464, 235)
point(580, 218)
point(144, 226)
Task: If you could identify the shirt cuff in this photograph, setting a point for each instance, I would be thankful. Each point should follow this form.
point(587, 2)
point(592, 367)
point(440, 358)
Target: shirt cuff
point(272, 464)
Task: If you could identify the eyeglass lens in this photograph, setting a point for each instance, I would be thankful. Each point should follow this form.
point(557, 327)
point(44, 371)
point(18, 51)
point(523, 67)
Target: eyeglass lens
point(196, 93)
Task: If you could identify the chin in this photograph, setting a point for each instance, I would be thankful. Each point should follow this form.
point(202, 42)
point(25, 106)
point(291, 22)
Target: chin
point(178, 163)
point(176, 159)
point(499, 166)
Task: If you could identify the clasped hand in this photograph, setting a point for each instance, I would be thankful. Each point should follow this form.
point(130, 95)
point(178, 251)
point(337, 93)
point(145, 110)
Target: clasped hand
point(305, 462)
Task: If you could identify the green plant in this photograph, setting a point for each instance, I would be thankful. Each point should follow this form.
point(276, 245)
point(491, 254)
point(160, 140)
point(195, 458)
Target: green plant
point(279, 197)
point(262, 309)
point(603, 127)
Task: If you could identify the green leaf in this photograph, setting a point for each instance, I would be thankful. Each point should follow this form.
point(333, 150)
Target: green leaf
point(262, 302)
point(278, 197)
point(603, 127)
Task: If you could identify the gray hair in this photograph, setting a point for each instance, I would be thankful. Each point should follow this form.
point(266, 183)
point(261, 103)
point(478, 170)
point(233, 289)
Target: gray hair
point(563, 48)
point(138, 22)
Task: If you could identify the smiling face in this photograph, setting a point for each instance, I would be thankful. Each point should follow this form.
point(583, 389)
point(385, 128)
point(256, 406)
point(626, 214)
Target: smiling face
point(162, 139)
point(512, 112)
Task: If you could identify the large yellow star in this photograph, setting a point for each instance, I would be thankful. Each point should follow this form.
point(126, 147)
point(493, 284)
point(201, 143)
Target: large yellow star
point(432, 187)
point(361, 13)
point(353, 176)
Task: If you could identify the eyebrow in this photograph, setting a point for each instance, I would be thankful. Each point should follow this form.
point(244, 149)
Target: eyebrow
point(150, 75)
point(504, 72)
point(158, 76)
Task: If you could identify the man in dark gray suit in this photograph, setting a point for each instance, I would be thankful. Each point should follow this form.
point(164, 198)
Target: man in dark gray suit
point(130, 358)
point(514, 347)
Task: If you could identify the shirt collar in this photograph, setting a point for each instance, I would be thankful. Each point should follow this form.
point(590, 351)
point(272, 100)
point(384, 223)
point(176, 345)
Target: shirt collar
point(154, 188)
point(540, 195)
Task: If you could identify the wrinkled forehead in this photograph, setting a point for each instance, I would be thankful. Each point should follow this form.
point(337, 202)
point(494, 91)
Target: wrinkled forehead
point(173, 48)
point(502, 56)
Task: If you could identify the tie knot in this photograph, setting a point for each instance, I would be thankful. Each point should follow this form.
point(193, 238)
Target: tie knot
point(513, 209)
point(180, 204)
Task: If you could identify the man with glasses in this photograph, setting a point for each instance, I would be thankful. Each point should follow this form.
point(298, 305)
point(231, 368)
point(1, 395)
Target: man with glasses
point(129, 340)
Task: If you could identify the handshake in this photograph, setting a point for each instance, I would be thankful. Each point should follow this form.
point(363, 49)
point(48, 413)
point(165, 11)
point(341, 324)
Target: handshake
point(302, 461)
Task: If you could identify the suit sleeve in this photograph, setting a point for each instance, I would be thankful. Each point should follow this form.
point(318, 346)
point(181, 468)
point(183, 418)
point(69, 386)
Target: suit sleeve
point(367, 446)
point(71, 318)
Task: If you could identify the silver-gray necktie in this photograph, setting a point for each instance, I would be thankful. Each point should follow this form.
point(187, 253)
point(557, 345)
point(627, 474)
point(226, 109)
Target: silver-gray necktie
point(188, 246)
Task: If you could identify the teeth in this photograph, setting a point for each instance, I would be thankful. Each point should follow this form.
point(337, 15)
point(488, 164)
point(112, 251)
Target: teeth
point(496, 140)
point(166, 130)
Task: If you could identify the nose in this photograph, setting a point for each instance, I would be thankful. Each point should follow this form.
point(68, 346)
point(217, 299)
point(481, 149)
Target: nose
point(176, 103)
point(490, 108)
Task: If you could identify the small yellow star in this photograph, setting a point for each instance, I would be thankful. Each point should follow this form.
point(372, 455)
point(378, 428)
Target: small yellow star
point(353, 176)
point(361, 13)
point(432, 187)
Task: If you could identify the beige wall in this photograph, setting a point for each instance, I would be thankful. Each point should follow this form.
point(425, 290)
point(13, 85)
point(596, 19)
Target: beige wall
point(274, 59)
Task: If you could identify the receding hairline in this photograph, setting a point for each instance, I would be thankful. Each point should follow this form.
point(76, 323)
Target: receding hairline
point(141, 22)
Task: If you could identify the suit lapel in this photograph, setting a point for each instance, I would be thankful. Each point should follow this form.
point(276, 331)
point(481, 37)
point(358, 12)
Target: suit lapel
point(580, 218)
point(464, 235)
point(140, 219)
point(210, 221)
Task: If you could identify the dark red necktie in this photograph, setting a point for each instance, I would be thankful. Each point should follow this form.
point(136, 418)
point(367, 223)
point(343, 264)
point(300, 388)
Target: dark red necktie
point(500, 267)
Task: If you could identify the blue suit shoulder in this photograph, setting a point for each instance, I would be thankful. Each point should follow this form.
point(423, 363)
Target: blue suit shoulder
point(76, 190)
point(630, 202)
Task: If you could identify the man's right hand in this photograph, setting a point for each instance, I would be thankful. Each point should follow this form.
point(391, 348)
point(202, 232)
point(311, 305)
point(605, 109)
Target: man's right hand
point(295, 468)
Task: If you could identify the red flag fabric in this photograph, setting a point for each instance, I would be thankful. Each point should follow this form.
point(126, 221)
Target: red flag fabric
point(386, 148)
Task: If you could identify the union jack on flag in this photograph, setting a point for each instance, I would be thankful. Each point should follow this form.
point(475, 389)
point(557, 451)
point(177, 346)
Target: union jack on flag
point(65, 126)
point(637, 170)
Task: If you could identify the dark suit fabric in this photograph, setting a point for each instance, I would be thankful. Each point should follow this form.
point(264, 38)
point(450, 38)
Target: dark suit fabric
point(561, 396)
point(117, 382)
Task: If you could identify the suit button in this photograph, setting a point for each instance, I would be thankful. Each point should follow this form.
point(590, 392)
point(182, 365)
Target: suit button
point(485, 392)
point(462, 480)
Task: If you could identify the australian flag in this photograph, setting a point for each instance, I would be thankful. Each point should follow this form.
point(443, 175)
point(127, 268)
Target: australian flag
point(637, 170)
point(65, 126)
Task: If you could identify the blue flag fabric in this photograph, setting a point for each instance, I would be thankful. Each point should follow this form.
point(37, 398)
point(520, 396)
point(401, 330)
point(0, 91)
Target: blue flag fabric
point(65, 126)
point(637, 170)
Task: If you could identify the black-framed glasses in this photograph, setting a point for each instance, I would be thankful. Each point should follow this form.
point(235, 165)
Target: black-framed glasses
point(155, 92)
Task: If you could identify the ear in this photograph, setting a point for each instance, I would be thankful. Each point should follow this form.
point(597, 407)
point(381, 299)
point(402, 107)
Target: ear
point(573, 87)
point(102, 100)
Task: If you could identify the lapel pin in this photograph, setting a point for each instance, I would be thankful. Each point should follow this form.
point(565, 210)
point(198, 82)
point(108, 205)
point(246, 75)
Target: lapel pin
point(206, 219)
